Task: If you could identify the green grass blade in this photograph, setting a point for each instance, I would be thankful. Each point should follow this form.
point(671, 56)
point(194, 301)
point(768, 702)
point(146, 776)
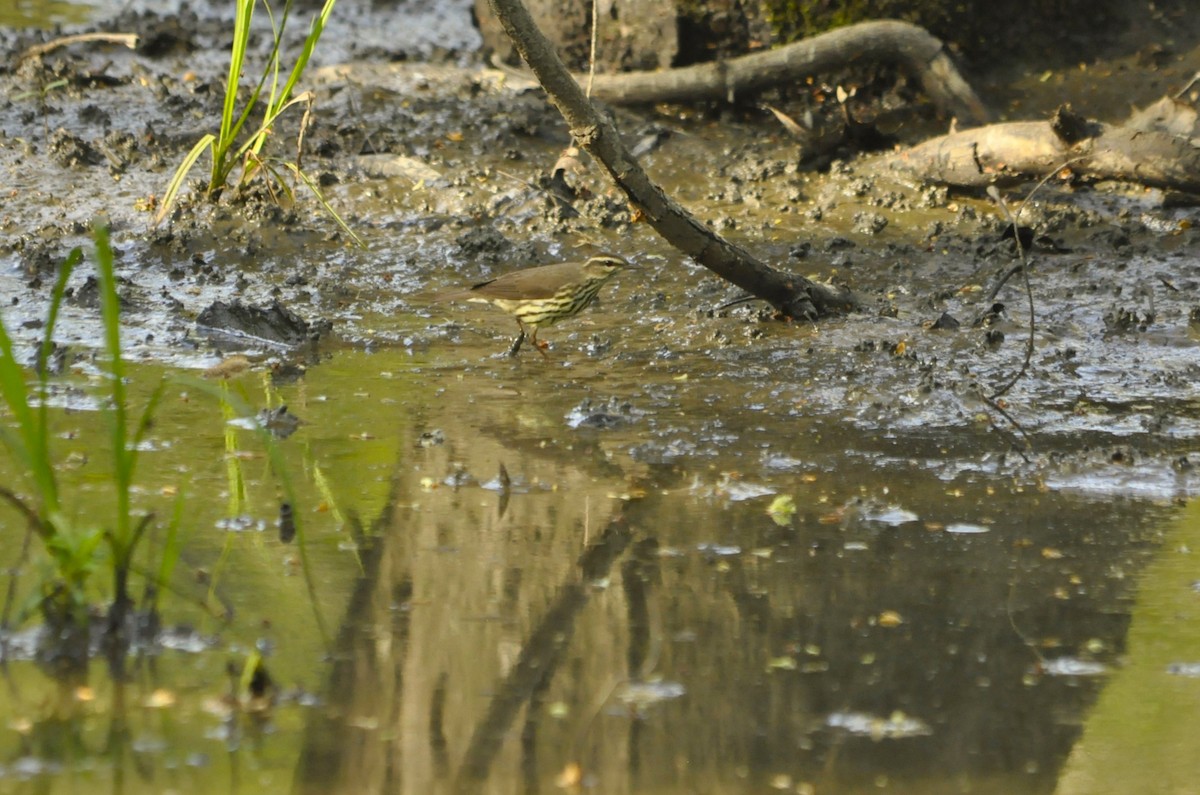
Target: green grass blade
point(208, 141)
point(358, 241)
point(30, 445)
point(271, 72)
point(123, 456)
point(48, 485)
point(254, 144)
point(172, 549)
point(147, 418)
point(57, 294)
point(228, 131)
point(280, 102)
point(16, 396)
point(237, 55)
point(310, 44)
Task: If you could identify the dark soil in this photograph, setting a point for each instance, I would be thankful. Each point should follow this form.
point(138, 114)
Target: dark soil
point(448, 171)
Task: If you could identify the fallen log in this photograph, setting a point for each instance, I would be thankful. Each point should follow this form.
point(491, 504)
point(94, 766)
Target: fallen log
point(1155, 147)
point(910, 47)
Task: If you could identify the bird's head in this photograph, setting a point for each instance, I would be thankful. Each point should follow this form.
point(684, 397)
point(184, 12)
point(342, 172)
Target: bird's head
point(604, 266)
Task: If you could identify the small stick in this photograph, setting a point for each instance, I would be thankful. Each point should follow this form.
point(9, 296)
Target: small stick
point(130, 40)
point(995, 194)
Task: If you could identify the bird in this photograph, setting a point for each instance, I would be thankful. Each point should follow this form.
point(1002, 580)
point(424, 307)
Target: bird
point(544, 295)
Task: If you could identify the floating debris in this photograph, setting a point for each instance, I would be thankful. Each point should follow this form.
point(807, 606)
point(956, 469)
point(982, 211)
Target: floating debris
point(1073, 666)
point(718, 550)
point(892, 515)
point(962, 528)
point(287, 522)
point(432, 438)
point(640, 695)
point(781, 510)
point(241, 524)
point(601, 414)
point(894, 727)
point(732, 489)
point(279, 422)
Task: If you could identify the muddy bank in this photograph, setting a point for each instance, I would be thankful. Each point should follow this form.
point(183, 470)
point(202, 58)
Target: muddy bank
point(441, 166)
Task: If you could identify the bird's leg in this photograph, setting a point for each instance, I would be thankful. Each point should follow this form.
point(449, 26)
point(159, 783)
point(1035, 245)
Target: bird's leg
point(516, 346)
point(540, 347)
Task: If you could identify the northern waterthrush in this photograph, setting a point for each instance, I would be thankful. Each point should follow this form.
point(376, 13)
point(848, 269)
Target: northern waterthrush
point(544, 295)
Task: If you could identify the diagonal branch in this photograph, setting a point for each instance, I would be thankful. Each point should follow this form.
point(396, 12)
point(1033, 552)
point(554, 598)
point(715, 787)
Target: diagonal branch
point(791, 294)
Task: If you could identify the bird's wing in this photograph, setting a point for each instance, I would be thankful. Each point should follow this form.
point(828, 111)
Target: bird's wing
point(531, 283)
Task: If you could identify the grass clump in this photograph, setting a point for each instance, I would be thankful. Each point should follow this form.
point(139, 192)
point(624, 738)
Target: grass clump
point(76, 552)
point(268, 100)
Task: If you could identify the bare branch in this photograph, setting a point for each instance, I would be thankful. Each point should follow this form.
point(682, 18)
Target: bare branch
point(912, 48)
point(791, 294)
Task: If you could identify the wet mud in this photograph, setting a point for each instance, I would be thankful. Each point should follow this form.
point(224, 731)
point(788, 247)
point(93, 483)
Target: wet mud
point(445, 168)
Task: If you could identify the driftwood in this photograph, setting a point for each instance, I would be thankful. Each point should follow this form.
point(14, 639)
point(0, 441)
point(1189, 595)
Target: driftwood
point(791, 294)
point(1155, 147)
point(908, 46)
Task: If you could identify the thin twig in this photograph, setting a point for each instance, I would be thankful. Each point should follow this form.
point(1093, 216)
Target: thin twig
point(995, 194)
point(1012, 622)
point(30, 515)
point(592, 56)
point(1041, 184)
point(535, 186)
point(996, 407)
point(305, 122)
point(130, 40)
point(1195, 79)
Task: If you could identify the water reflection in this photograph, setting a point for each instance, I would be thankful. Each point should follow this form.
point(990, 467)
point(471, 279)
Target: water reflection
point(45, 13)
point(1146, 718)
point(640, 627)
point(524, 602)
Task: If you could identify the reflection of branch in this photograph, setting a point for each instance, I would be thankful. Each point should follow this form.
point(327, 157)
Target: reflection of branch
point(437, 731)
point(31, 517)
point(540, 655)
point(324, 759)
point(994, 192)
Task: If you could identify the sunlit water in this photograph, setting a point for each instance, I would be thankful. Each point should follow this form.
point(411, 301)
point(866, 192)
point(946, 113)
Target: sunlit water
point(47, 13)
point(625, 613)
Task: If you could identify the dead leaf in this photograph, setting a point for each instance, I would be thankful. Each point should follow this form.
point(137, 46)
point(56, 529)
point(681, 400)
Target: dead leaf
point(793, 127)
point(890, 618)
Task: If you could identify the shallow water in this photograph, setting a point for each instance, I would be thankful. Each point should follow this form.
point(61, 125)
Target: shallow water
point(47, 13)
point(926, 621)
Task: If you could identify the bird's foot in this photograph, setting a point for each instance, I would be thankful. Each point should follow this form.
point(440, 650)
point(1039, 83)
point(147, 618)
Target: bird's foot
point(516, 346)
